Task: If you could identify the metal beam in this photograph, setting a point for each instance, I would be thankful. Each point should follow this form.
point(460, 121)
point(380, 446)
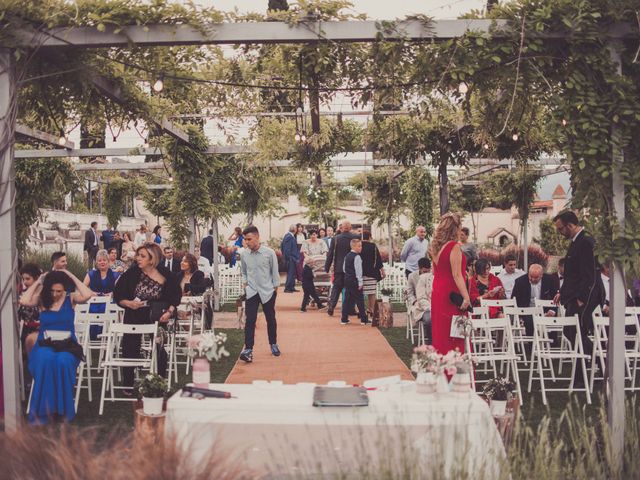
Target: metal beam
point(88, 152)
point(42, 136)
point(94, 167)
point(248, 32)
point(11, 357)
point(114, 92)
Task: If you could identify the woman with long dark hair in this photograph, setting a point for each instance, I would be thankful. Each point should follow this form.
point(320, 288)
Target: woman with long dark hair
point(54, 360)
point(146, 290)
point(191, 280)
point(29, 316)
point(157, 237)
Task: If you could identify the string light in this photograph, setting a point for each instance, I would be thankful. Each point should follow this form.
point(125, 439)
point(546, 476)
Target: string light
point(564, 122)
point(159, 85)
point(62, 141)
point(486, 146)
point(515, 137)
point(171, 179)
point(303, 137)
point(463, 88)
point(297, 137)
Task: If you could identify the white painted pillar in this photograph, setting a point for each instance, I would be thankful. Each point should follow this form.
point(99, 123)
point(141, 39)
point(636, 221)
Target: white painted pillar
point(8, 253)
point(192, 233)
point(216, 263)
point(617, 303)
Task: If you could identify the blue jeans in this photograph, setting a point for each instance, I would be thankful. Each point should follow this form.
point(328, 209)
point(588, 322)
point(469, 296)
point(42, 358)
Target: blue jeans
point(290, 284)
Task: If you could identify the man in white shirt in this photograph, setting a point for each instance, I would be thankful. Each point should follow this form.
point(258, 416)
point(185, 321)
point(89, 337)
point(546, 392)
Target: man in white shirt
point(140, 236)
point(414, 249)
point(203, 262)
point(510, 274)
point(329, 238)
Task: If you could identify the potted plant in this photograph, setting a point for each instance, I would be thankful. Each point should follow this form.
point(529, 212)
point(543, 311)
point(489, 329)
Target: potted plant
point(151, 388)
point(386, 293)
point(498, 391)
point(204, 348)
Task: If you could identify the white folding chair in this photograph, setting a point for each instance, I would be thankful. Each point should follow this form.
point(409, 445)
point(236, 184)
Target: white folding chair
point(543, 350)
point(489, 353)
point(496, 269)
point(491, 302)
point(115, 360)
point(82, 325)
point(517, 316)
point(549, 304)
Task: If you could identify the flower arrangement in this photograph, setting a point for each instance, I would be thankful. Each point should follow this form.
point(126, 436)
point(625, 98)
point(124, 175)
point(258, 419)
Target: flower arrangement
point(151, 386)
point(208, 345)
point(425, 358)
point(499, 389)
point(464, 325)
point(456, 362)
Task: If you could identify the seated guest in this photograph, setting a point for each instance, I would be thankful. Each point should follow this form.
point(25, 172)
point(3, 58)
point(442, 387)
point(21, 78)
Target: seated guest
point(191, 280)
point(170, 262)
point(115, 263)
point(424, 266)
point(421, 307)
point(29, 316)
point(54, 369)
point(147, 284)
point(203, 263)
point(102, 279)
point(534, 286)
point(509, 274)
point(128, 250)
point(485, 284)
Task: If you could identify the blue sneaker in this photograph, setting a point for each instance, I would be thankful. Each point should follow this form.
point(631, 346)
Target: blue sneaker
point(275, 351)
point(247, 355)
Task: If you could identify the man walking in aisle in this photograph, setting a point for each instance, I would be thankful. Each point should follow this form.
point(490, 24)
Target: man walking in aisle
point(340, 247)
point(261, 280)
point(414, 249)
point(353, 283)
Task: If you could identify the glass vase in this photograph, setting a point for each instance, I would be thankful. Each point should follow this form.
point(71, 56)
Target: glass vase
point(201, 374)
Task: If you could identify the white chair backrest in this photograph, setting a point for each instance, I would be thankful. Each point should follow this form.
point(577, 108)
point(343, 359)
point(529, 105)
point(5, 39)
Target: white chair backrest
point(128, 328)
point(544, 303)
point(496, 269)
point(491, 302)
point(545, 322)
point(523, 311)
point(479, 312)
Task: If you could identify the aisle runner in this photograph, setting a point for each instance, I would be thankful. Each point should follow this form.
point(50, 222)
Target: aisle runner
point(316, 348)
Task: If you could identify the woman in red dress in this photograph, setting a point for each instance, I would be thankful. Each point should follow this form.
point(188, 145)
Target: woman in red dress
point(449, 266)
point(485, 284)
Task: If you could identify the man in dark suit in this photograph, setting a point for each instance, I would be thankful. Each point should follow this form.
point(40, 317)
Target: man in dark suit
point(535, 285)
point(291, 255)
point(107, 237)
point(170, 262)
point(91, 243)
point(329, 238)
point(206, 247)
point(582, 287)
point(341, 246)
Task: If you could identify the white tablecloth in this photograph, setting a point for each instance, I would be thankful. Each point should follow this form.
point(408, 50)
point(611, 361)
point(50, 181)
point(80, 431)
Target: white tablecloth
point(275, 430)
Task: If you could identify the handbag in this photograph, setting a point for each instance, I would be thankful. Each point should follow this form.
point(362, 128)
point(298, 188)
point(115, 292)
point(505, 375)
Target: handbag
point(157, 309)
point(457, 300)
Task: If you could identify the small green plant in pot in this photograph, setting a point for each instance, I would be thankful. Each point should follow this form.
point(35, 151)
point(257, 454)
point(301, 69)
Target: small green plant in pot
point(152, 388)
point(499, 391)
point(386, 294)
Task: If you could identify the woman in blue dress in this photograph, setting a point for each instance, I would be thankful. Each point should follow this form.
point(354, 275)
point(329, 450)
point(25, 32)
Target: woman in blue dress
point(54, 372)
point(157, 237)
point(237, 239)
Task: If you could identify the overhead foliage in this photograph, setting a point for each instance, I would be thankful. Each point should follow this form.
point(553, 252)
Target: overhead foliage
point(512, 187)
point(115, 195)
point(40, 183)
point(385, 196)
point(419, 188)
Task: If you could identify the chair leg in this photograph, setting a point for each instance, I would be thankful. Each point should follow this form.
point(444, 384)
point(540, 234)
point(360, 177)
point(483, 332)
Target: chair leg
point(30, 395)
point(584, 379)
point(531, 361)
point(103, 390)
point(79, 384)
point(516, 376)
point(540, 372)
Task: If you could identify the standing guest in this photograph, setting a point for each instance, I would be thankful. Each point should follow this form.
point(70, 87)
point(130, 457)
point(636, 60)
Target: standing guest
point(102, 279)
point(414, 249)
point(509, 275)
point(169, 262)
point(238, 240)
point(485, 284)
point(353, 283)
point(116, 242)
point(449, 278)
point(322, 233)
point(309, 287)
point(301, 236)
point(146, 287)
point(206, 247)
point(141, 236)
point(54, 369)
point(582, 289)
point(29, 316)
point(261, 281)
point(128, 250)
point(560, 274)
point(191, 280)
point(372, 270)
point(91, 243)
point(291, 256)
point(115, 263)
point(59, 260)
point(421, 308)
point(157, 236)
point(340, 247)
point(329, 237)
point(107, 237)
point(536, 285)
point(468, 248)
point(313, 246)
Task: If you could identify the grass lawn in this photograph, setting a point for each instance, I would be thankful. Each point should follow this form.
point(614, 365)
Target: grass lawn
point(120, 414)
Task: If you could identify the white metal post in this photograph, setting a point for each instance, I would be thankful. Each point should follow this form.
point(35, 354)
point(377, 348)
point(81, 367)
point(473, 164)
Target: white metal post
point(617, 297)
point(192, 233)
point(216, 263)
point(8, 255)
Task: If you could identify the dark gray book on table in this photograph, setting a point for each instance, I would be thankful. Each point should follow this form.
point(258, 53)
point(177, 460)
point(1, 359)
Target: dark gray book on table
point(340, 397)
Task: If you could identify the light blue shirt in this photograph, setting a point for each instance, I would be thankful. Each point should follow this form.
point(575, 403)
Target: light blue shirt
point(414, 249)
point(260, 272)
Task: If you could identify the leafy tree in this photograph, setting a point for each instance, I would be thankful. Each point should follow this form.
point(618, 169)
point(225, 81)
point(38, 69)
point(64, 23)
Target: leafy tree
point(115, 195)
point(550, 240)
point(418, 186)
point(466, 198)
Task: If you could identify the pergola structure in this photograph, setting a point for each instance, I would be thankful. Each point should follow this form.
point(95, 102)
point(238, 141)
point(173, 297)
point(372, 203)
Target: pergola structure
point(239, 33)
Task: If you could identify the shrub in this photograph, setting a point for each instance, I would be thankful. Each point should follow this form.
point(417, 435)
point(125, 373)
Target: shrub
point(494, 256)
point(535, 253)
point(42, 258)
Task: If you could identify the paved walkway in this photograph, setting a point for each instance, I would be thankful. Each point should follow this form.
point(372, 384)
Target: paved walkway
point(316, 348)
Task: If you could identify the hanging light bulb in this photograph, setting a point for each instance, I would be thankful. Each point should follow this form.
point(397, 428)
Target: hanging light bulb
point(159, 85)
point(62, 141)
point(515, 137)
point(463, 88)
point(171, 178)
point(486, 146)
point(297, 137)
point(303, 137)
point(564, 122)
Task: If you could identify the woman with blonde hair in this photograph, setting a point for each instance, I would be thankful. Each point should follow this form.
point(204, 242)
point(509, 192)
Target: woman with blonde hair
point(449, 282)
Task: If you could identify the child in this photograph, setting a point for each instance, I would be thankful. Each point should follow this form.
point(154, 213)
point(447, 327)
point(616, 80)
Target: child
point(308, 287)
point(353, 283)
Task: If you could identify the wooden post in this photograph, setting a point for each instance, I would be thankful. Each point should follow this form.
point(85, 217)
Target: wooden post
point(617, 300)
point(8, 253)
